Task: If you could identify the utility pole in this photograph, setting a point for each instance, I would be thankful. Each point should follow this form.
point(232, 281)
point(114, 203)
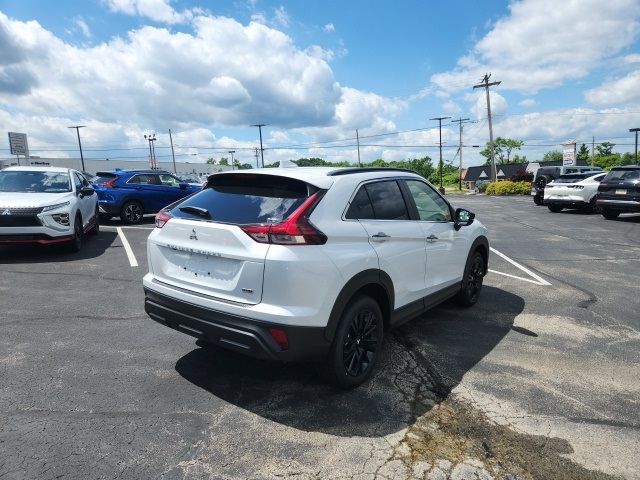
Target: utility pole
point(358, 139)
point(260, 125)
point(256, 153)
point(152, 151)
point(173, 155)
point(593, 150)
point(636, 130)
point(232, 152)
point(460, 121)
point(77, 127)
point(439, 119)
point(486, 84)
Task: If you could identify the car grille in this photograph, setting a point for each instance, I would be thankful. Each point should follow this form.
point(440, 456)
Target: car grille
point(19, 217)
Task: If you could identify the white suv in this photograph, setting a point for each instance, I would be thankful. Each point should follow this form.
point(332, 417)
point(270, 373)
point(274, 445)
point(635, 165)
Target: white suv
point(310, 263)
point(44, 205)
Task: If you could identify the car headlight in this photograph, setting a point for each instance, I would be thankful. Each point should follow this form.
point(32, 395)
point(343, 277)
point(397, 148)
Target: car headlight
point(55, 207)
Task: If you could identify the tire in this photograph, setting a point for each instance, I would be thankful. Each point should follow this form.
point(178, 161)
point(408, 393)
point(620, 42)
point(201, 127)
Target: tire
point(610, 214)
point(472, 281)
point(131, 212)
point(95, 230)
point(554, 208)
point(357, 343)
point(75, 244)
point(537, 200)
point(592, 207)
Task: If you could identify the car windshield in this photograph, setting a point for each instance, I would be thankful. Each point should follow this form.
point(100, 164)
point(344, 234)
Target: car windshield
point(34, 182)
point(631, 174)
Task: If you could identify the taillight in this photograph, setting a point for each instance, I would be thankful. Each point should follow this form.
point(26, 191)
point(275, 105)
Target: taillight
point(162, 218)
point(295, 230)
point(110, 183)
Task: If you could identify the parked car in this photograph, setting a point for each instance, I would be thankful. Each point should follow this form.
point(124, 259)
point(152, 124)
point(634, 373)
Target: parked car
point(574, 190)
point(311, 263)
point(193, 179)
point(544, 175)
point(619, 192)
point(129, 194)
point(45, 205)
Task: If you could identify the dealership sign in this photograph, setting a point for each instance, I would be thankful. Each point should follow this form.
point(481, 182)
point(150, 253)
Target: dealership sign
point(569, 154)
point(18, 144)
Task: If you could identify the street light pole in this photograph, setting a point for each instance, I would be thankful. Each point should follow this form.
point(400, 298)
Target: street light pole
point(439, 119)
point(232, 163)
point(260, 125)
point(636, 130)
point(78, 127)
point(152, 152)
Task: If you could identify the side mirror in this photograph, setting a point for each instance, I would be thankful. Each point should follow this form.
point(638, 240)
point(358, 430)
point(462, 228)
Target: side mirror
point(463, 218)
point(184, 186)
point(86, 191)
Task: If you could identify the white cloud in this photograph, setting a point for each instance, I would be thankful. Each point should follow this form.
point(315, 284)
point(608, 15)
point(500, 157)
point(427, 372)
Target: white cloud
point(479, 107)
point(543, 43)
point(451, 107)
point(630, 59)
point(329, 27)
point(156, 10)
point(625, 89)
point(528, 102)
point(82, 25)
point(281, 16)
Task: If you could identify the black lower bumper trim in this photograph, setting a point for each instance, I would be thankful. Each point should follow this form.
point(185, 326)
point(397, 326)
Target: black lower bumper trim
point(567, 203)
point(241, 334)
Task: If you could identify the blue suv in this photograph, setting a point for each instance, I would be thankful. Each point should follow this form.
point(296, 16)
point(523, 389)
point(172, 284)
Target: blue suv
point(129, 194)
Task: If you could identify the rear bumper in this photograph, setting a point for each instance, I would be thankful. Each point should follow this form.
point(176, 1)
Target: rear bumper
point(241, 334)
point(567, 202)
point(619, 204)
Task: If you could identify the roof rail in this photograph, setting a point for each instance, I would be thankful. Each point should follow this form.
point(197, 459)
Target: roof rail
point(349, 171)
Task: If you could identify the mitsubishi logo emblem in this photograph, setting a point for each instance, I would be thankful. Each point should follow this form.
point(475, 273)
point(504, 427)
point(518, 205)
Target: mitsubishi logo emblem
point(193, 235)
point(6, 212)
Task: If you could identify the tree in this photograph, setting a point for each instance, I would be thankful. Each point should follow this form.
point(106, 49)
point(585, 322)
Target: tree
point(502, 148)
point(224, 161)
point(552, 156)
point(211, 161)
point(605, 149)
point(583, 153)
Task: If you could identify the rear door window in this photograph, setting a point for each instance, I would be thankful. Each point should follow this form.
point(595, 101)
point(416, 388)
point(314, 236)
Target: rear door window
point(360, 207)
point(247, 199)
point(623, 175)
point(144, 179)
point(387, 201)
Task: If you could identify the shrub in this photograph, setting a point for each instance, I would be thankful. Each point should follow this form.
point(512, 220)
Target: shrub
point(481, 185)
point(509, 188)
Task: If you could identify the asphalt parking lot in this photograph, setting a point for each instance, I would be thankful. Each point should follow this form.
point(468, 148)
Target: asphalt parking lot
point(541, 379)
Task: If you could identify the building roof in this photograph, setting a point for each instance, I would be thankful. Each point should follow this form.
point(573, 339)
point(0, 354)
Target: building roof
point(483, 172)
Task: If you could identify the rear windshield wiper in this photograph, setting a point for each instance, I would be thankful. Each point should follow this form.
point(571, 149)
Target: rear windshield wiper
point(202, 212)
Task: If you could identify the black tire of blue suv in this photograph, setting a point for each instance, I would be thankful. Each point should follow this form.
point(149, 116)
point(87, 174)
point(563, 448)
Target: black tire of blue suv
point(132, 212)
point(357, 343)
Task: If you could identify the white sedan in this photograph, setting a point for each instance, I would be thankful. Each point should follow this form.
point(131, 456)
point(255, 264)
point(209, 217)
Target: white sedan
point(576, 190)
point(44, 205)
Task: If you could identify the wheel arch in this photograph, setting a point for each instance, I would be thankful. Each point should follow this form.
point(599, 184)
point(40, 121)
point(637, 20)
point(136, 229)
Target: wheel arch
point(374, 283)
point(481, 244)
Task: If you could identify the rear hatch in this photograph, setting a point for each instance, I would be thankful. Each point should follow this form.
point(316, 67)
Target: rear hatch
point(566, 185)
point(621, 184)
point(202, 247)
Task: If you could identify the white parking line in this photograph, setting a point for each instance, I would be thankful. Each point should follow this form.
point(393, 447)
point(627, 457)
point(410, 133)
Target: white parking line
point(127, 248)
point(537, 279)
point(126, 226)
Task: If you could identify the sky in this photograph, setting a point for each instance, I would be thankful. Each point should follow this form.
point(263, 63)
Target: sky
point(315, 72)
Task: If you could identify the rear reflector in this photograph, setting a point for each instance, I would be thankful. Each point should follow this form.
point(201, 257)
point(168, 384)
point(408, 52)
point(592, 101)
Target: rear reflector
point(280, 337)
point(295, 230)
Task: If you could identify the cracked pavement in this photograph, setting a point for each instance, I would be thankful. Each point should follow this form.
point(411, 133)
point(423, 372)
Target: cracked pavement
point(533, 382)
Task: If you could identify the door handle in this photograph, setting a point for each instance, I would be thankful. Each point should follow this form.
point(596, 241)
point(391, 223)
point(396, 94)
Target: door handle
point(432, 238)
point(380, 236)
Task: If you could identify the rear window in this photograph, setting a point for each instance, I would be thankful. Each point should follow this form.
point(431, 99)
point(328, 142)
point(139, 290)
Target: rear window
point(103, 177)
point(631, 174)
point(246, 199)
point(548, 171)
point(573, 177)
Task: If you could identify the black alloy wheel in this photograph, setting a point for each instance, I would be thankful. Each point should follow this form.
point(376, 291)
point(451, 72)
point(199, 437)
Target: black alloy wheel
point(76, 242)
point(357, 343)
point(359, 347)
point(132, 212)
point(472, 281)
point(537, 200)
point(610, 214)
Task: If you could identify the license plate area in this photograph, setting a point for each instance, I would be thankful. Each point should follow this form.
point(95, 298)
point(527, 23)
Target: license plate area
point(207, 267)
point(621, 191)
